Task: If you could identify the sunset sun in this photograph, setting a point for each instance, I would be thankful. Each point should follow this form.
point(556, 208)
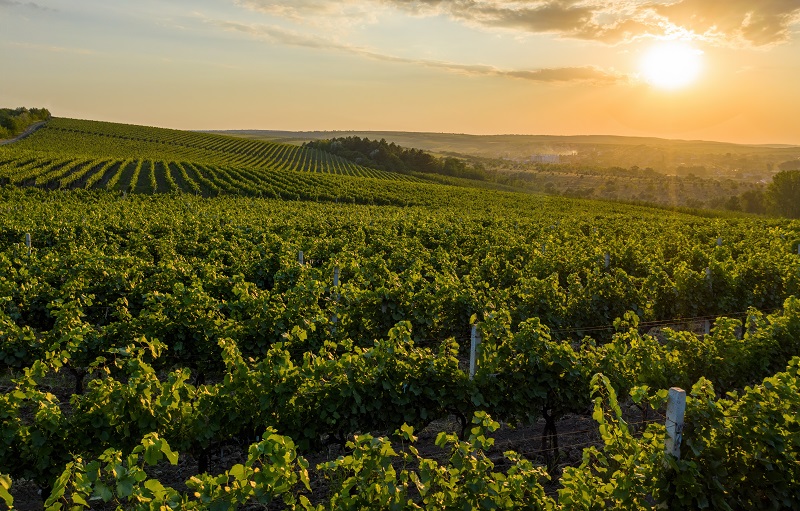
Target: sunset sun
point(671, 65)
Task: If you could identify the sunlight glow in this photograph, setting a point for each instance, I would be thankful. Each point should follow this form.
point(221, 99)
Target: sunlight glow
point(671, 65)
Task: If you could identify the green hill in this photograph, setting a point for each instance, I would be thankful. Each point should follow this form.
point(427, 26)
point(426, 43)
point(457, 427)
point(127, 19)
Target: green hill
point(69, 153)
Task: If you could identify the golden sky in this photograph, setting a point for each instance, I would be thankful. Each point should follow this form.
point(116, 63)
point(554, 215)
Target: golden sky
point(723, 70)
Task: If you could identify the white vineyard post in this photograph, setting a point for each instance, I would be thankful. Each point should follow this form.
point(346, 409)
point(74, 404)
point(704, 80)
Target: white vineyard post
point(798, 249)
point(334, 318)
point(475, 340)
point(300, 257)
point(607, 260)
point(676, 407)
point(28, 242)
point(719, 241)
point(707, 326)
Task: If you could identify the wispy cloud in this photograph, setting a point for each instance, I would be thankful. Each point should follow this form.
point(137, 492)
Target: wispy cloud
point(31, 5)
point(729, 22)
point(760, 23)
point(280, 35)
point(52, 49)
point(328, 13)
point(570, 74)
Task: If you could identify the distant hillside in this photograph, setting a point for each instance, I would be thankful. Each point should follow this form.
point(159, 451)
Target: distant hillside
point(720, 159)
point(674, 173)
point(69, 153)
point(105, 139)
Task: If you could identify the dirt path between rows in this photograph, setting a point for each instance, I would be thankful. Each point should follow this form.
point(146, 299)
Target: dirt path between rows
point(31, 129)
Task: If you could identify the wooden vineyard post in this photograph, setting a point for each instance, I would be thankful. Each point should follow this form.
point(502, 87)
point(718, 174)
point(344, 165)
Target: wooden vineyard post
point(676, 407)
point(475, 340)
point(300, 257)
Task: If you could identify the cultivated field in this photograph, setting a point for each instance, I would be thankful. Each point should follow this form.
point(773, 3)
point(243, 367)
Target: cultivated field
point(279, 305)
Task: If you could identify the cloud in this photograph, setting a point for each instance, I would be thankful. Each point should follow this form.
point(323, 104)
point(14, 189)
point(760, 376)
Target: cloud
point(569, 74)
point(315, 12)
point(759, 23)
point(730, 22)
point(282, 35)
point(31, 5)
point(725, 22)
point(53, 49)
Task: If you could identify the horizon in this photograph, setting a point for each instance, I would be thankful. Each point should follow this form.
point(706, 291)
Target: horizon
point(689, 70)
point(577, 135)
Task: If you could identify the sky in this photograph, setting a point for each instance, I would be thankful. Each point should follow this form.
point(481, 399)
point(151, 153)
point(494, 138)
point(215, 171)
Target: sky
point(551, 67)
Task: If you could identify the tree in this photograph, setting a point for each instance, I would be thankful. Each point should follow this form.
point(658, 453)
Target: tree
point(790, 165)
point(783, 194)
point(733, 203)
point(752, 201)
point(13, 122)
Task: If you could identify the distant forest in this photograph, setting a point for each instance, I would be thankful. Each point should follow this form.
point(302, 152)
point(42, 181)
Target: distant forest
point(382, 155)
point(15, 121)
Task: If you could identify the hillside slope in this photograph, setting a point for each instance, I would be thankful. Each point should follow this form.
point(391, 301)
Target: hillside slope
point(69, 153)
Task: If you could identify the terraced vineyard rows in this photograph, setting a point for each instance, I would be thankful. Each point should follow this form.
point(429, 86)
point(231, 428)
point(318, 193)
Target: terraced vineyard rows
point(111, 140)
point(69, 153)
point(206, 179)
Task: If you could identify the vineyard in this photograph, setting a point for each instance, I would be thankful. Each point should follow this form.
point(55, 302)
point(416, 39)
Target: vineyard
point(69, 153)
point(322, 340)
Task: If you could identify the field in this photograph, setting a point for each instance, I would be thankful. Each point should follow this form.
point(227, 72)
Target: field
point(336, 327)
point(70, 153)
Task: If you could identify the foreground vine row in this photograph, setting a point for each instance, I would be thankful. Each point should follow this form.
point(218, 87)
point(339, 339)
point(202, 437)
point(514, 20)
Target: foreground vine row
point(729, 465)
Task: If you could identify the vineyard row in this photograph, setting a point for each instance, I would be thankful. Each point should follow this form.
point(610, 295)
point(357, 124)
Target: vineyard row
point(67, 138)
point(148, 176)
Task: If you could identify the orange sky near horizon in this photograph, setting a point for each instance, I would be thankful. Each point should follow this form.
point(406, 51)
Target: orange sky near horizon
point(556, 67)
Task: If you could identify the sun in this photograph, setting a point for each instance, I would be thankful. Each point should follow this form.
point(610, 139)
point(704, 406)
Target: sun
point(671, 65)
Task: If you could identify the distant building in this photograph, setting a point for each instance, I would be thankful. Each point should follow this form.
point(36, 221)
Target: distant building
point(545, 158)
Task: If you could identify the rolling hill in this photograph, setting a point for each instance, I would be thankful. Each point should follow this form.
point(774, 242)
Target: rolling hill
point(720, 159)
point(69, 153)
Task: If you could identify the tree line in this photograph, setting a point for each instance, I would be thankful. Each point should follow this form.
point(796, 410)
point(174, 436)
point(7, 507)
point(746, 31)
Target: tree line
point(382, 155)
point(15, 121)
point(781, 197)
